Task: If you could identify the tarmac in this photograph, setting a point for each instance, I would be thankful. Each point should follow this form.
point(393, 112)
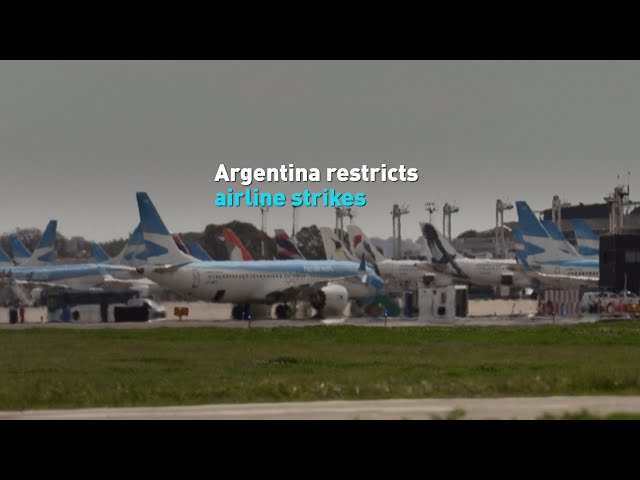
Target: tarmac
point(517, 408)
point(481, 313)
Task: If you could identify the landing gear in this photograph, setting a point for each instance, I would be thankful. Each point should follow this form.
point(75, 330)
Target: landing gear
point(355, 309)
point(284, 312)
point(241, 312)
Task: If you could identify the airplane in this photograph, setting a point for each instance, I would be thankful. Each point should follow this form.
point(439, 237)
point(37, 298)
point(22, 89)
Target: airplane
point(493, 272)
point(395, 270)
point(286, 249)
point(552, 264)
point(44, 252)
point(36, 274)
point(133, 254)
point(326, 285)
point(588, 241)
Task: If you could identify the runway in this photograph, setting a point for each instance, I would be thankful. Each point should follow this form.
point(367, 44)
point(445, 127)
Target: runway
point(520, 408)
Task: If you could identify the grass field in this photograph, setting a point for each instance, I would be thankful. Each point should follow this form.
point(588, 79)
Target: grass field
point(57, 368)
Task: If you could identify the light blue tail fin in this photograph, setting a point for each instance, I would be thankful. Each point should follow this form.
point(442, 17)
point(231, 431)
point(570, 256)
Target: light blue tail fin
point(558, 236)
point(543, 248)
point(98, 254)
point(521, 249)
point(588, 241)
point(198, 252)
point(20, 253)
point(44, 252)
point(160, 245)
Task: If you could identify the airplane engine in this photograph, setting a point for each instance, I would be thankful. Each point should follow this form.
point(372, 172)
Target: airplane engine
point(331, 299)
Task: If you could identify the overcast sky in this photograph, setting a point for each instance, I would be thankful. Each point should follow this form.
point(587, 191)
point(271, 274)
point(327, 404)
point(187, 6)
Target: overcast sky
point(79, 138)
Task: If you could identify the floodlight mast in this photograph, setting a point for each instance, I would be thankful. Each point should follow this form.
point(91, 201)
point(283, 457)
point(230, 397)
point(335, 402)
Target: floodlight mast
point(396, 215)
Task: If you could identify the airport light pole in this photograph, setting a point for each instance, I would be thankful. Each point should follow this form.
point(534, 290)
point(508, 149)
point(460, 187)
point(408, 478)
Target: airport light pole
point(430, 207)
point(396, 214)
point(293, 228)
point(500, 247)
point(263, 213)
point(447, 211)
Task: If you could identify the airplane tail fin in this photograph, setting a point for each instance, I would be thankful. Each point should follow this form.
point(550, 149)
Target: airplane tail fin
point(160, 246)
point(333, 247)
point(44, 252)
point(441, 249)
point(360, 244)
point(559, 237)
point(541, 246)
point(20, 253)
point(588, 241)
point(198, 252)
point(236, 248)
point(133, 253)
point(179, 243)
point(5, 261)
point(442, 252)
point(286, 249)
point(98, 254)
point(521, 249)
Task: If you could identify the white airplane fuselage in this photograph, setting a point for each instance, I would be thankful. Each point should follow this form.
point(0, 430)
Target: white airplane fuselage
point(256, 281)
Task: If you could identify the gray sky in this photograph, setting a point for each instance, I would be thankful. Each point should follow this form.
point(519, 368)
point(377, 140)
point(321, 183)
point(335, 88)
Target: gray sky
point(79, 138)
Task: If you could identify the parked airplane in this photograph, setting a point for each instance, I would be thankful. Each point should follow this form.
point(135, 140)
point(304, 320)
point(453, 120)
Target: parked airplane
point(395, 270)
point(326, 285)
point(44, 252)
point(493, 272)
point(551, 263)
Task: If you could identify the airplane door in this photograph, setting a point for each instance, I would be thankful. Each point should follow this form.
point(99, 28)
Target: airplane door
point(196, 280)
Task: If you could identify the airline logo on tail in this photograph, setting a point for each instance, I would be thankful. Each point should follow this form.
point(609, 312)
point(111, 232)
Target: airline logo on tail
point(20, 252)
point(237, 251)
point(160, 245)
point(547, 249)
point(360, 244)
point(588, 241)
point(5, 261)
point(44, 252)
point(437, 244)
point(98, 254)
point(286, 249)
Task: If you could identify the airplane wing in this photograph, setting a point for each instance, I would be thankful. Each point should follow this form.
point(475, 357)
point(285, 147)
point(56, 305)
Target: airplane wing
point(563, 281)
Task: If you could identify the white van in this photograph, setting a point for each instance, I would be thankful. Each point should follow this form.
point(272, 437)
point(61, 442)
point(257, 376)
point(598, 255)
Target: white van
point(598, 302)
